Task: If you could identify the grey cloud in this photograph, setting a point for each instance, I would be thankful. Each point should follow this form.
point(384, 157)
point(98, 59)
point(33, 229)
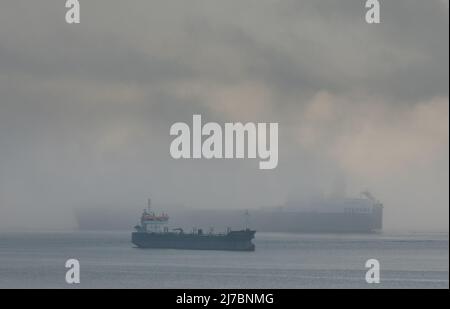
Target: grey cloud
point(85, 110)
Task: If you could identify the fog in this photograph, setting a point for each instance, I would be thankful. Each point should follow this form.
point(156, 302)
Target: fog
point(85, 110)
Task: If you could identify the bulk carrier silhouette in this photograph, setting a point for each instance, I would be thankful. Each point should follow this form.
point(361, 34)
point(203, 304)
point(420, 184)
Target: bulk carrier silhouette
point(153, 232)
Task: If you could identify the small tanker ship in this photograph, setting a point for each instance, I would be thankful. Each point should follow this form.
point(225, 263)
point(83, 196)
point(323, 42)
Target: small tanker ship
point(153, 232)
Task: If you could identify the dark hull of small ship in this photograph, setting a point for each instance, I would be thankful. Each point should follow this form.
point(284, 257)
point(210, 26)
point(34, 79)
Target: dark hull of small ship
point(233, 241)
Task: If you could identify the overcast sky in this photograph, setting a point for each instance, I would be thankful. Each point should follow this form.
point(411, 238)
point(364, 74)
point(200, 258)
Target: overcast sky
point(85, 110)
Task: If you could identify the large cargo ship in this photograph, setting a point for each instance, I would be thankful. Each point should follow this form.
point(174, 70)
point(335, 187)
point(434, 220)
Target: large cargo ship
point(153, 232)
point(322, 215)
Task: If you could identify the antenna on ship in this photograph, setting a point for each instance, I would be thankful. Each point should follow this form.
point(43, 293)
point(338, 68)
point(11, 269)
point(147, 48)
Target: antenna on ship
point(247, 219)
point(149, 203)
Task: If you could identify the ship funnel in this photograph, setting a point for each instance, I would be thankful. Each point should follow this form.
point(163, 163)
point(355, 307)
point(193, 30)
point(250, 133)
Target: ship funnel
point(369, 196)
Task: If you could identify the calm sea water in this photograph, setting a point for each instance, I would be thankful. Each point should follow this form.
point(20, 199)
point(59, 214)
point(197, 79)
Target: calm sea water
point(108, 260)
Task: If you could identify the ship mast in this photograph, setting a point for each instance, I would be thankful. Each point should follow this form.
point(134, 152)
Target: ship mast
point(247, 219)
